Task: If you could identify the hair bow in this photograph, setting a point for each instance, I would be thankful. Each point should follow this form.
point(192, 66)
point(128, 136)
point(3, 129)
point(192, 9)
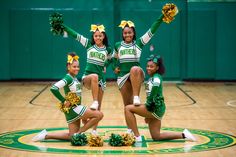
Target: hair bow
point(154, 58)
point(100, 28)
point(124, 23)
point(70, 59)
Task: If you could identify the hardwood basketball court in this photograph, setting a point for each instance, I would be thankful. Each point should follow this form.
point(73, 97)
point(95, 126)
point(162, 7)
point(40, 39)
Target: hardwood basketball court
point(208, 109)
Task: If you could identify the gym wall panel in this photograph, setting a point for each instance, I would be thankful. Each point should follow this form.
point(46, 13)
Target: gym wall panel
point(4, 48)
point(198, 44)
point(226, 42)
point(201, 45)
point(20, 44)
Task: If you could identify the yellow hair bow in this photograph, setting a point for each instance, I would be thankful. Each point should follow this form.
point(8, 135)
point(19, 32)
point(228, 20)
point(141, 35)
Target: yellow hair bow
point(70, 59)
point(124, 23)
point(100, 28)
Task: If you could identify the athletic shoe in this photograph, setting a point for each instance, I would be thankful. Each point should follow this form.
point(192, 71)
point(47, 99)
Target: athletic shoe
point(129, 131)
point(94, 105)
point(189, 136)
point(138, 139)
point(94, 132)
point(40, 136)
point(136, 100)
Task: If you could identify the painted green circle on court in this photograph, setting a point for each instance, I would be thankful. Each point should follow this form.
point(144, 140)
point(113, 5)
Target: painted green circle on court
point(210, 141)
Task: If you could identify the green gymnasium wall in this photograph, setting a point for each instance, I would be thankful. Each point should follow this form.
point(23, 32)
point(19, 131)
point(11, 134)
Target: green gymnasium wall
point(198, 44)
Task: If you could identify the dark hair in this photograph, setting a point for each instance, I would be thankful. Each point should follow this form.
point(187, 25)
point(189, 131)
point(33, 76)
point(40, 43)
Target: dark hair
point(159, 62)
point(105, 40)
point(134, 37)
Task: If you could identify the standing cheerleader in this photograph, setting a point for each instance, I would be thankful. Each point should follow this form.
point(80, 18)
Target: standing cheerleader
point(154, 108)
point(98, 58)
point(128, 53)
point(71, 104)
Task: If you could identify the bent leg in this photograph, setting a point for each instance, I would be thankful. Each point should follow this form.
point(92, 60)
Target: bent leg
point(100, 96)
point(92, 117)
point(155, 127)
point(130, 118)
point(127, 93)
point(136, 79)
point(91, 82)
point(73, 128)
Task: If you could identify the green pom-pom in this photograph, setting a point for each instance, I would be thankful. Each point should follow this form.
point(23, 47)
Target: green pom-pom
point(79, 140)
point(56, 23)
point(115, 140)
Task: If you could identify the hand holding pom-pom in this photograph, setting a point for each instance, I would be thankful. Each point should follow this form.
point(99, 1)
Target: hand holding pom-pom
point(169, 11)
point(73, 98)
point(56, 23)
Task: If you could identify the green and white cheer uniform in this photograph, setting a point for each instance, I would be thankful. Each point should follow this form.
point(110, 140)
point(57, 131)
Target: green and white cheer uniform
point(155, 100)
point(97, 58)
point(70, 84)
point(129, 54)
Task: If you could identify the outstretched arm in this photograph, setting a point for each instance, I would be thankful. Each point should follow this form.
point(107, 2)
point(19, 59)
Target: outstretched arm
point(149, 34)
point(83, 40)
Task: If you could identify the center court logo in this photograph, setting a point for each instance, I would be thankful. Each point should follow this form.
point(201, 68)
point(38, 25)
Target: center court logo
point(207, 140)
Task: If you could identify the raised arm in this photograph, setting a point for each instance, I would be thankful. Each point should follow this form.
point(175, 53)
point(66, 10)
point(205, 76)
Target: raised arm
point(59, 28)
point(151, 31)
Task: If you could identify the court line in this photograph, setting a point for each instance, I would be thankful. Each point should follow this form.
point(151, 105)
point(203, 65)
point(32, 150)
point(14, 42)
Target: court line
point(229, 103)
point(185, 93)
point(32, 100)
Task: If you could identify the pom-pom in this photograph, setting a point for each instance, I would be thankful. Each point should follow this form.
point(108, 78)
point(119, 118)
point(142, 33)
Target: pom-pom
point(169, 11)
point(128, 139)
point(95, 141)
point(115, 140)
point(73, 98)
point(56, 23)
point(79, 139)
point(62, 108)
point(156, 103)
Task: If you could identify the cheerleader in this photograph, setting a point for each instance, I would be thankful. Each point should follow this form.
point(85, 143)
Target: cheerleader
point(98, 57)
point(71, 104)
point(154, 108)
point(128, 52)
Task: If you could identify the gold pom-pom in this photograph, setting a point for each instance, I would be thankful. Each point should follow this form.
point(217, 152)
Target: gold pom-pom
point(169, 11)
point(95, 141)
point(73, 98)
point(63, 108)
point(128, 139)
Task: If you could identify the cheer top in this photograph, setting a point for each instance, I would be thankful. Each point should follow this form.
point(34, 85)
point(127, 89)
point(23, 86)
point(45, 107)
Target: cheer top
point(97, 58)
point(155, 100)
point(129, 54)
point(70, 84)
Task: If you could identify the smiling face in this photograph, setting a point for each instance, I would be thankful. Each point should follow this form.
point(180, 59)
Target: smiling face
point(73, 69)
point(151, 68)
point(128, 34)
point(98, 38)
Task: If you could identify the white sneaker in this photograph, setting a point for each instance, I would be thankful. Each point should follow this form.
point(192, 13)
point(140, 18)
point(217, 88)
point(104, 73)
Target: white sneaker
point(94, 132)
point(40, 136)
point(129, 131)
point(136, 100)
point(189, 136)
point(94, 105)
point(138, 139)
